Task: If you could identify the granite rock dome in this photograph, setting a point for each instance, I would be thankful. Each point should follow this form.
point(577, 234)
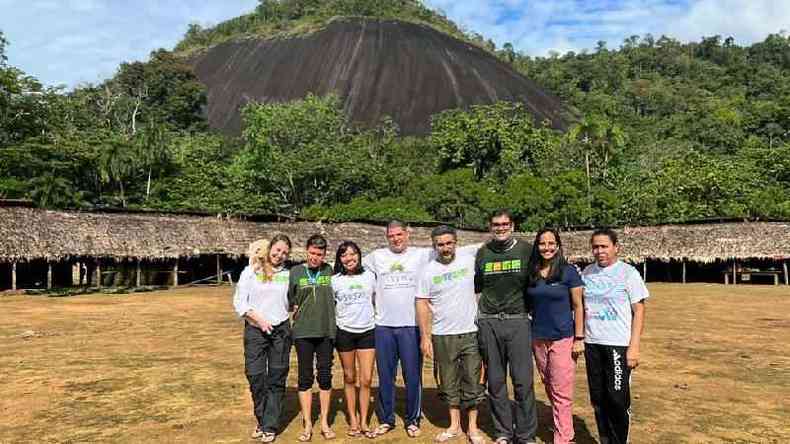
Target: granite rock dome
point(378, 67)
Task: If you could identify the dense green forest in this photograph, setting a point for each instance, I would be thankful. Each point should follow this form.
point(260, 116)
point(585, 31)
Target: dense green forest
point(667, 131)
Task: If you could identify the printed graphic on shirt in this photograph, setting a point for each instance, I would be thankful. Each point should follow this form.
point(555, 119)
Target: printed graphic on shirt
point(502, 267)
point(320, 281)
point(451, 276)
point(277, 278)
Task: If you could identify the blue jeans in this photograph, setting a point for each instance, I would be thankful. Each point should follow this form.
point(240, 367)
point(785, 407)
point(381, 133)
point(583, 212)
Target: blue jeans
point(393, 344)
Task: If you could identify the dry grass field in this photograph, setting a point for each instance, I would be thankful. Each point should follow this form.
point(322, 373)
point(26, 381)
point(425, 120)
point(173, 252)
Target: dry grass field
point(167, 367)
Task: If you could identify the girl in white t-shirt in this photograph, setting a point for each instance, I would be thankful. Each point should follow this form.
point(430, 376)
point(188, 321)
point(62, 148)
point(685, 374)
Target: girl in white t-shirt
point(353, 287)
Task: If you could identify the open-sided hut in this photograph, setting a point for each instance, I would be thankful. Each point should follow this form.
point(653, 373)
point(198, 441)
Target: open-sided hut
point(704, 251)
point(44, 248)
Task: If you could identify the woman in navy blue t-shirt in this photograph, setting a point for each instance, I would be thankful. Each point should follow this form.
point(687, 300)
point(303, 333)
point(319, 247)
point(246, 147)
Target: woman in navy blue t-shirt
point(557, 326)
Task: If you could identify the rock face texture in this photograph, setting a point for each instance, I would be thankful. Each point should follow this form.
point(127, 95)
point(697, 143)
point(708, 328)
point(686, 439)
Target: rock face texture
point(379, 68)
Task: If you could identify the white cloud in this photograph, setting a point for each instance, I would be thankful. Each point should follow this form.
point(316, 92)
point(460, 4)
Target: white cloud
point(537, 27)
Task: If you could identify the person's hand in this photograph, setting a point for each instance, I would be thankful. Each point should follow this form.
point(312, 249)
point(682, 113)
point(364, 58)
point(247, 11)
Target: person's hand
point(578, 349)
point(265, 326)
point(632, 357)
point(427, 347)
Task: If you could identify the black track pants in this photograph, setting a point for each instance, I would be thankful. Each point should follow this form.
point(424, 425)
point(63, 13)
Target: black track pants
point(609, 379)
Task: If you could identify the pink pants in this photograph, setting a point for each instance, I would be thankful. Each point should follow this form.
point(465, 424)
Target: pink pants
point(557, 369)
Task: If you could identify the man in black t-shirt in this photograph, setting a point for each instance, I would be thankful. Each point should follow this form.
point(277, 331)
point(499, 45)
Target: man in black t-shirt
point(504, 333)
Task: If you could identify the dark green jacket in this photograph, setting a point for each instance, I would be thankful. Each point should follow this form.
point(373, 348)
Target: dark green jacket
point(501, 277)
point(315, 315)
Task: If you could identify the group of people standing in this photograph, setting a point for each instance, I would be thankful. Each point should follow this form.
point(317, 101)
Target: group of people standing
point(480, 312)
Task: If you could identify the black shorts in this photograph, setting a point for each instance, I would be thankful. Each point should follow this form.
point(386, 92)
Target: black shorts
point(346, 341)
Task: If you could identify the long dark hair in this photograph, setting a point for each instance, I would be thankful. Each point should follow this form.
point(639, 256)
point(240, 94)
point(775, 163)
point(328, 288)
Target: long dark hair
point(341, 250)
point(556, 264)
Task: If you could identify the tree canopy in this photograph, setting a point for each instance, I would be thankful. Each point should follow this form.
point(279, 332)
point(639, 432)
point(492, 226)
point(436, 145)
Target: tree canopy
point(666, 132)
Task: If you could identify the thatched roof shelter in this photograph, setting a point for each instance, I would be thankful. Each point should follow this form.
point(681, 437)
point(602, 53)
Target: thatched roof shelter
point(698, 242)
point(31, 233)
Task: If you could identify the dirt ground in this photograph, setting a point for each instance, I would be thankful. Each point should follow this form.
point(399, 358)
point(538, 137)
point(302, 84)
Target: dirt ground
point(168, 367)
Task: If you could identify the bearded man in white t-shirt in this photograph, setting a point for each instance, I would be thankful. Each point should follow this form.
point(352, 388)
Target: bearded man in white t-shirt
point(446, 311)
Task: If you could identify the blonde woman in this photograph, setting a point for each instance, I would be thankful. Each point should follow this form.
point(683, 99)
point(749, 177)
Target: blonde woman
point(261, 299)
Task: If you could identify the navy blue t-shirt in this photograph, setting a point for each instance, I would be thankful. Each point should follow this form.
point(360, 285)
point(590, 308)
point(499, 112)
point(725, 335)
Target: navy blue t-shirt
point(553, 313)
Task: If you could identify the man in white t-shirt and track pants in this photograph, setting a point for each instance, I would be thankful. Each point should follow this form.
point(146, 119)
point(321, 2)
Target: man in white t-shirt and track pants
point(614, 300)
point(446, 312)
point(397, 335)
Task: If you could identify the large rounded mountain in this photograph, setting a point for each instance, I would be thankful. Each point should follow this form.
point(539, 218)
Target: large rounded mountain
point(379, 68)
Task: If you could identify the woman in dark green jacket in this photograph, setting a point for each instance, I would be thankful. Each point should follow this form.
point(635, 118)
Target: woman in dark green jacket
point(310, 294)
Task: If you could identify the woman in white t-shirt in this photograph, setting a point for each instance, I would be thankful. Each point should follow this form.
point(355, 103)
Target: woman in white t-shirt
point(261, 299)
point(353, 287)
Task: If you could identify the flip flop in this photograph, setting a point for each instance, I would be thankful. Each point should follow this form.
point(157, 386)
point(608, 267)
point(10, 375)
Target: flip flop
point(305, 436)
point(476, 438)
point(328, 434)
point(446, 436)
point(381, 429)
point(413, 430)
point(354, 433)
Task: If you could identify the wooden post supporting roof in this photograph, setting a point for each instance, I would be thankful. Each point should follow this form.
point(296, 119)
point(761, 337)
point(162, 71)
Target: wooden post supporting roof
point(734, 273)
point(175, 274)
point(219, 269)
point(787, 278)
point(644, 270)
point(49, 275)
point(98, 273)
point(139, 277)
point(684, 270)
point(13, 276)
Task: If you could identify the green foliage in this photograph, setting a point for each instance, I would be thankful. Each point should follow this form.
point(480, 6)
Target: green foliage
point(365, 209)
point(667, 132)
point(273, 18)
point(501, 135)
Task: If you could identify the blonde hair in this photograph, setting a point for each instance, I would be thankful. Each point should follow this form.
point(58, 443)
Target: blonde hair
point(258, 252)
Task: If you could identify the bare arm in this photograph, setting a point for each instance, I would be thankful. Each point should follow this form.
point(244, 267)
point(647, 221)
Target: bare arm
point(425, 321)
point(637, 326)
point(577, 303)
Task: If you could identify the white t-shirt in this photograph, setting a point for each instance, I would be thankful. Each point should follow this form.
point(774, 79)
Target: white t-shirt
point(608, 295)
point(354, 301)
point(451, 290)
point(268, 299)
point(396, 281)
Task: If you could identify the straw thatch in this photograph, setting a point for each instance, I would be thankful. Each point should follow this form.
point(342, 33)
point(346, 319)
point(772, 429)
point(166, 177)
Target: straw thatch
point(704, 242)
point(31, 233)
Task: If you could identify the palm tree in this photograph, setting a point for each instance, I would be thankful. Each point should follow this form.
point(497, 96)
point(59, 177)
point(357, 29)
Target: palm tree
point(116, 163)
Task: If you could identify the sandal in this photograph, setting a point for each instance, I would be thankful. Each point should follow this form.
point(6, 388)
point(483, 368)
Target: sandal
point(382, 429)
point(413, 430)
point(354, 433)
point(305, 436)
point(446, 436)
point(502, 440)
point(268, 437)
point(476, 438)
point(328, 434)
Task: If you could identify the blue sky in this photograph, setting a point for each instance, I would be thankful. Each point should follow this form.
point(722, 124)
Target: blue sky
point(77, 41)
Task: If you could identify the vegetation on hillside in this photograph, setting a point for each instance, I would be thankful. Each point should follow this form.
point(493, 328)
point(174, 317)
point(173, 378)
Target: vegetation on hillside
point(668, 131)
point(279, 18)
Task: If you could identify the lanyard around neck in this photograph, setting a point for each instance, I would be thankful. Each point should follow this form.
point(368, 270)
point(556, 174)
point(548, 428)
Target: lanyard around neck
point(312, 278)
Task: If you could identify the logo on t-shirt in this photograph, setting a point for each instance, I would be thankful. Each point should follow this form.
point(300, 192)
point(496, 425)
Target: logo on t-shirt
point(397, 267)
point(450, 276)
point(501, 267)
point(320, 281)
